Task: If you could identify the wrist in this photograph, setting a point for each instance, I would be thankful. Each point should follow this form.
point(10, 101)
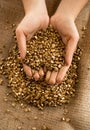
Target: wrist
point(63, 13)
point(71, 8)
point(32, 5)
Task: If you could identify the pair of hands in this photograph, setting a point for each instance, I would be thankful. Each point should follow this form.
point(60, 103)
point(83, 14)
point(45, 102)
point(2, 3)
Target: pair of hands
point(36, 19)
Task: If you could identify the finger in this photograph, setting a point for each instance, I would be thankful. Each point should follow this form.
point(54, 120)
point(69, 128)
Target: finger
point(27, 70)
point(21, 39)
point(33, 71)
point(36, 75)
point(61, 74)
point(41, 73)
point(48, 74)
point(70, 49)
point(52, 79)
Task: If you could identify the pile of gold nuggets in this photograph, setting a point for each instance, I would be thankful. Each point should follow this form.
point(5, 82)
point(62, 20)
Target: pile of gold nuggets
point(45, 50)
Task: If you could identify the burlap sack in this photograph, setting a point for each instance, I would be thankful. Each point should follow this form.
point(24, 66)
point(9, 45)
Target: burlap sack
point(79, 108)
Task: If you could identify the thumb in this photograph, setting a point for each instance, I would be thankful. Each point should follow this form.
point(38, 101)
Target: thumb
point(21, 39)
point(70, 49)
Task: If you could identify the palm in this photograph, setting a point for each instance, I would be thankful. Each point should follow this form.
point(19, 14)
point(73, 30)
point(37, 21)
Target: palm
point(27, 28)
point(69, 34)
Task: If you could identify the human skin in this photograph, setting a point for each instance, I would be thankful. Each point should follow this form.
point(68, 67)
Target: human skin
point(64, 22)
point(36, 18)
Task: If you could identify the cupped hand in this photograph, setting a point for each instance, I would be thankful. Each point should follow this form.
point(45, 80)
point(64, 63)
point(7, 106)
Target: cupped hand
point(33, 21)
point(67, 29)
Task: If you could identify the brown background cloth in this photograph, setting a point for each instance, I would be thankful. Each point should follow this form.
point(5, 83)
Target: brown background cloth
point(79, 108)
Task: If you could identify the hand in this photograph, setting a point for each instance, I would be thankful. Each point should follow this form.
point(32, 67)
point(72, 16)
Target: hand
point(67, 29)
point(63, 22)
point(35, 19)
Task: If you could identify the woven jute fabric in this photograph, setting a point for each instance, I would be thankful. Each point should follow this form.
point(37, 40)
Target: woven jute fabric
point(79, 107)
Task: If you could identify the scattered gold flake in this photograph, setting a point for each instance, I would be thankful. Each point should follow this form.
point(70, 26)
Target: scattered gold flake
point(35, 118)
point(19, 128)
point(1, 81)
point(34, 128)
